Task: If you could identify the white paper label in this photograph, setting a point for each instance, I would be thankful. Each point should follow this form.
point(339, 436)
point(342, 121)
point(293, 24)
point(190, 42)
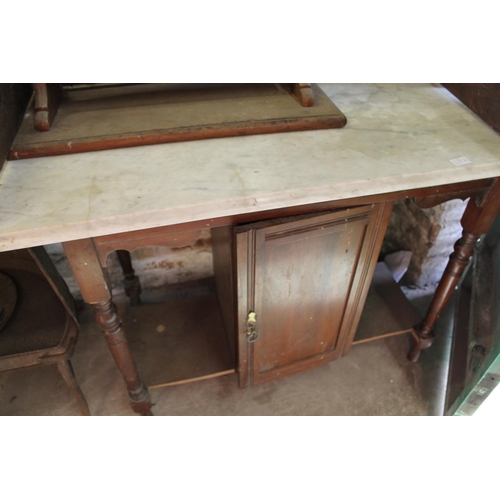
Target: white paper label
point(460, 161)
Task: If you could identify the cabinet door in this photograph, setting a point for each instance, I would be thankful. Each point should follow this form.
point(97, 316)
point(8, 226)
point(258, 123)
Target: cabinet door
point(306, 279)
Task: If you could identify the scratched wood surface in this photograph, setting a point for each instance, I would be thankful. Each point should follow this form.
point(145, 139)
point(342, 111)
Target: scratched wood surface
point(306, 278)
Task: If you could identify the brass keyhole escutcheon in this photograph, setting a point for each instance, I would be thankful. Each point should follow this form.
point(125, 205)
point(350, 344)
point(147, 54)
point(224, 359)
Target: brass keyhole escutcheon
point(252, 334)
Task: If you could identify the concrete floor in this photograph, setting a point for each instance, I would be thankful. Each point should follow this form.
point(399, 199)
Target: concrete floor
point(375, 379)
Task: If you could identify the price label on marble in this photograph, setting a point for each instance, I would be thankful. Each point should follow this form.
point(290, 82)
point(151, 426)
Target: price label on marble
point(460, 161)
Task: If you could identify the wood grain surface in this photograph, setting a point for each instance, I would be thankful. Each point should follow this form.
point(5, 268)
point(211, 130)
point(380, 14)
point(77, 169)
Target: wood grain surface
point(137, 115)
point(306, 279)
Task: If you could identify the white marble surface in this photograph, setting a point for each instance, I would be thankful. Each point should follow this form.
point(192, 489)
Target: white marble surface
point(397, 137)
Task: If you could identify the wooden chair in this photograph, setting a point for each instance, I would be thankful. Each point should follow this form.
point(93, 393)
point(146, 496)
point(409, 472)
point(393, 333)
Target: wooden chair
point(37, 317)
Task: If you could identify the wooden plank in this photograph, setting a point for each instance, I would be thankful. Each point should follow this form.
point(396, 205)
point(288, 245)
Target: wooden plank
point(482, 98)
point(137, 115)
point(387, 311)
point(179, 341)
point(222, 250)
point(459, 369)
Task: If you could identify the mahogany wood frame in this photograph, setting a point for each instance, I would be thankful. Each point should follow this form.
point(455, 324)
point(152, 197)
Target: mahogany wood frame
point(87, 258)
point(50, 97)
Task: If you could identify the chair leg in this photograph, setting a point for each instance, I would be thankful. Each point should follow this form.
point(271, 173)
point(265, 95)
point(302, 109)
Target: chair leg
point(66, 370)
point(131, 281)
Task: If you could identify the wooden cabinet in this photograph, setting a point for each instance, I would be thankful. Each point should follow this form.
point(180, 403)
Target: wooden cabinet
point(301, 285)
point(289, 296)
point(291, 291)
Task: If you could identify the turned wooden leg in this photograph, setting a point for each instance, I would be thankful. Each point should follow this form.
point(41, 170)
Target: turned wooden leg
point(66, 370)
point(459, 259)
point(111, 325)
point(131, 281)
point(48, 97)
point(93, 281)
point(477, 220)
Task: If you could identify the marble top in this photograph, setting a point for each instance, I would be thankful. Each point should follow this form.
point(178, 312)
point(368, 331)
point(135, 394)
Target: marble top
point(398, 136)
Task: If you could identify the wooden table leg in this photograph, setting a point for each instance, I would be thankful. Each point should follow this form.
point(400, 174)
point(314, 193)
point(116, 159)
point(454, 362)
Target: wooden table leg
point(96, 291)
point(111, 325)
point(131, 281)
point(476, 221)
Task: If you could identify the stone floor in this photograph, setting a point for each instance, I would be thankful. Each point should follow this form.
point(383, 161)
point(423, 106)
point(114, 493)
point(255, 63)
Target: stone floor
point(375, 379)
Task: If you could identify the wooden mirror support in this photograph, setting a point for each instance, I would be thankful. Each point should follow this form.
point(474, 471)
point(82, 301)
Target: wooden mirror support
point(48, 97)
point(304, 93)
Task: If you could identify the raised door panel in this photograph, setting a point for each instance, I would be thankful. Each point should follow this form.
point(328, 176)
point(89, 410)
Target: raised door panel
point(304, 277)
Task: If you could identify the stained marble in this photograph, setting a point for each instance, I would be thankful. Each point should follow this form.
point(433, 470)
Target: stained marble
point(398, 136)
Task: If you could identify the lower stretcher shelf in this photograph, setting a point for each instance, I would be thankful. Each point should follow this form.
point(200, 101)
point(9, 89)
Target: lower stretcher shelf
point(184, 340)
point(179, 341)
point(387, 311)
